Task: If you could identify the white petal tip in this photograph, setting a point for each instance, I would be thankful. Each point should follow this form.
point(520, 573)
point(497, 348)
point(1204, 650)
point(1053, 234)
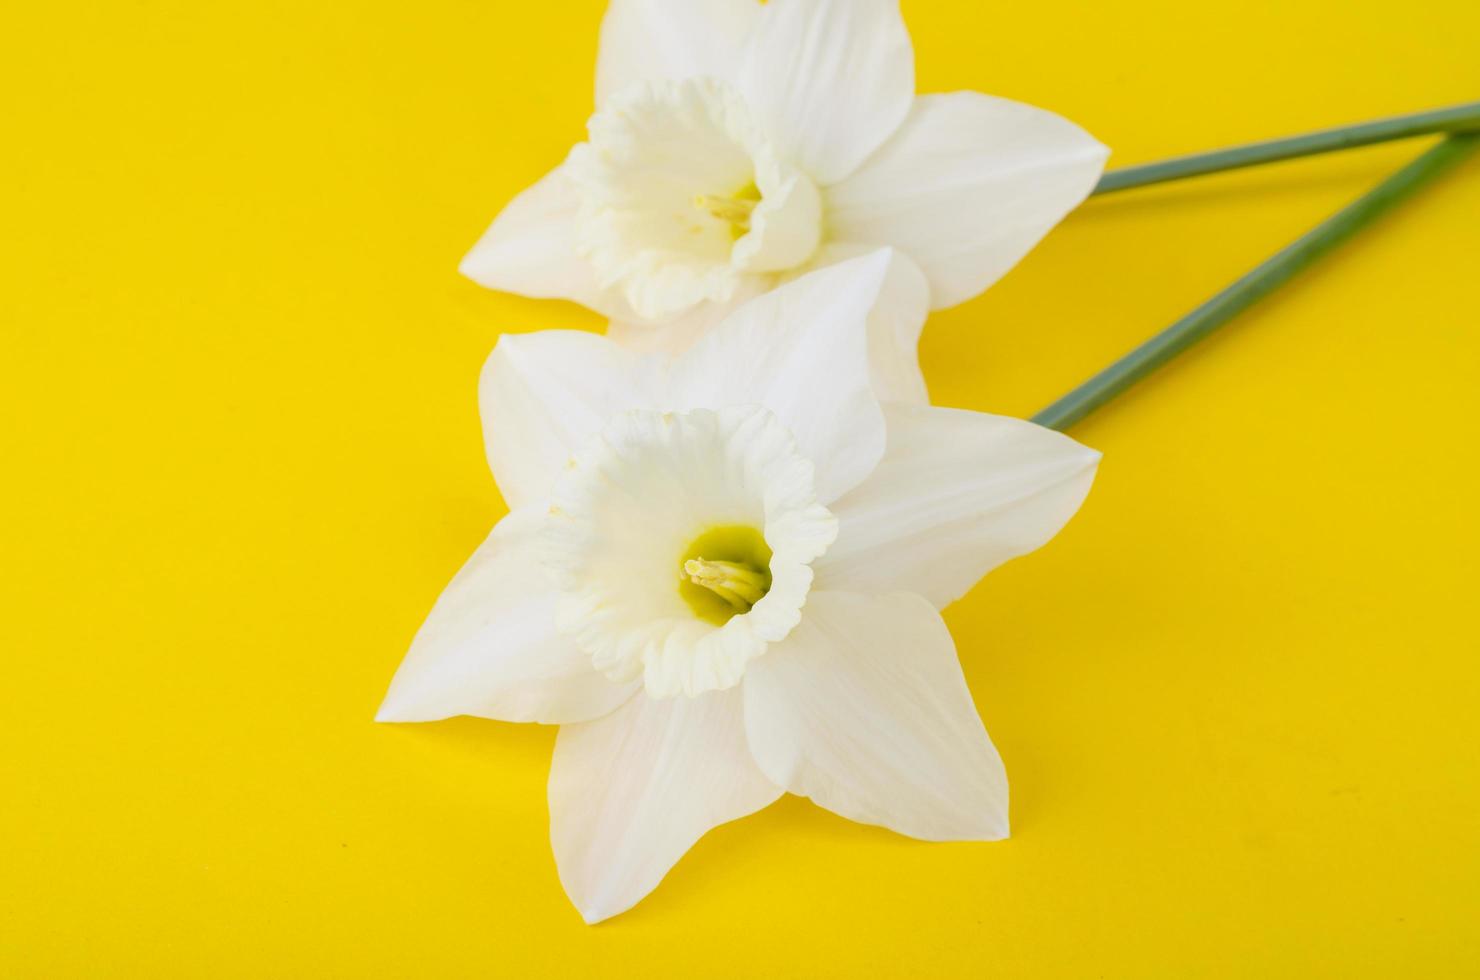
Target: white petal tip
point(881, 257)
point(465, 267)
point(474, 266)
point(397, 710)
point(596, 912)
point(388, 714)
point(593, 917)
point(959, 831)
point(983, 832)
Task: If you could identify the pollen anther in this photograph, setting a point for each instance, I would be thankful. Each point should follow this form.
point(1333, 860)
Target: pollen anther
point(733, 210)
point(739, 585)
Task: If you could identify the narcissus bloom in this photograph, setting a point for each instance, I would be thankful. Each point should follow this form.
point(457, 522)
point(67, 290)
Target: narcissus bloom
point(736, 145)
point(721, 574)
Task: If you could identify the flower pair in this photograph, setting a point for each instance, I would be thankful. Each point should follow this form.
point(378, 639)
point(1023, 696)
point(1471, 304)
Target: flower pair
point(733, 522)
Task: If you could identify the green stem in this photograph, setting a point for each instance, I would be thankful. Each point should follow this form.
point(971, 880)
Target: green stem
point(1263, 280)
point(1456, 119)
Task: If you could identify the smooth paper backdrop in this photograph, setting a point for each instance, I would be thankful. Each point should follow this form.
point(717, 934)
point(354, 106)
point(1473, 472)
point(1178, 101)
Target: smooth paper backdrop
point(1237, 697)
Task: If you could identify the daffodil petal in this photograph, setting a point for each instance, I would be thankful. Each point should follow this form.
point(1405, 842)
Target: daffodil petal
point(864, 710)
point(543, 395)
point(678, 334)
point(489, 647)
point(894, 324)
point(673, 337)
point(894, 327)
point(829, 80)
point(967, 186)
point(956, 494)
point(632, 792)
point(655, 39)
point(530, 249)
point(802, 351)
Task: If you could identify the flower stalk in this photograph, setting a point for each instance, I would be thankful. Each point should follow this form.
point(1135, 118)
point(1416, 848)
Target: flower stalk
point(1260, 282)
point(1454, 119)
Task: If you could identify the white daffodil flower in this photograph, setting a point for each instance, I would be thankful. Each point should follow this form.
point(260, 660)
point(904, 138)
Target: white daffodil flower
point(721, 573)
point(737, 144)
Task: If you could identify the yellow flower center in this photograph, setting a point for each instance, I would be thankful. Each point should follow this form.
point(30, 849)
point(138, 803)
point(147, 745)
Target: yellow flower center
point(724, 572)
point(733, 209)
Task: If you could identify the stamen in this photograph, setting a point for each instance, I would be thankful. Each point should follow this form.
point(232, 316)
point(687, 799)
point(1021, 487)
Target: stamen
point(734, 210)
point(739, 585)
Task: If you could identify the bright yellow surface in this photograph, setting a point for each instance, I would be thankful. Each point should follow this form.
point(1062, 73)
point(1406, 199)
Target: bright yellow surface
point(1237, 698)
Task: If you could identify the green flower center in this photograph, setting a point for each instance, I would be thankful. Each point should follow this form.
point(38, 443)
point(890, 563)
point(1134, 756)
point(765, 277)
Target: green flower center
point(725, 571)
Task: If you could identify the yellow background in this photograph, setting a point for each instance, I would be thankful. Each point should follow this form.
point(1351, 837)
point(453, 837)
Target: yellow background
point(1237, 698)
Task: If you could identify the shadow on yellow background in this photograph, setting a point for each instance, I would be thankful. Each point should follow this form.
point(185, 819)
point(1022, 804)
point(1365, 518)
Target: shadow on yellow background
point(1236, 698)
